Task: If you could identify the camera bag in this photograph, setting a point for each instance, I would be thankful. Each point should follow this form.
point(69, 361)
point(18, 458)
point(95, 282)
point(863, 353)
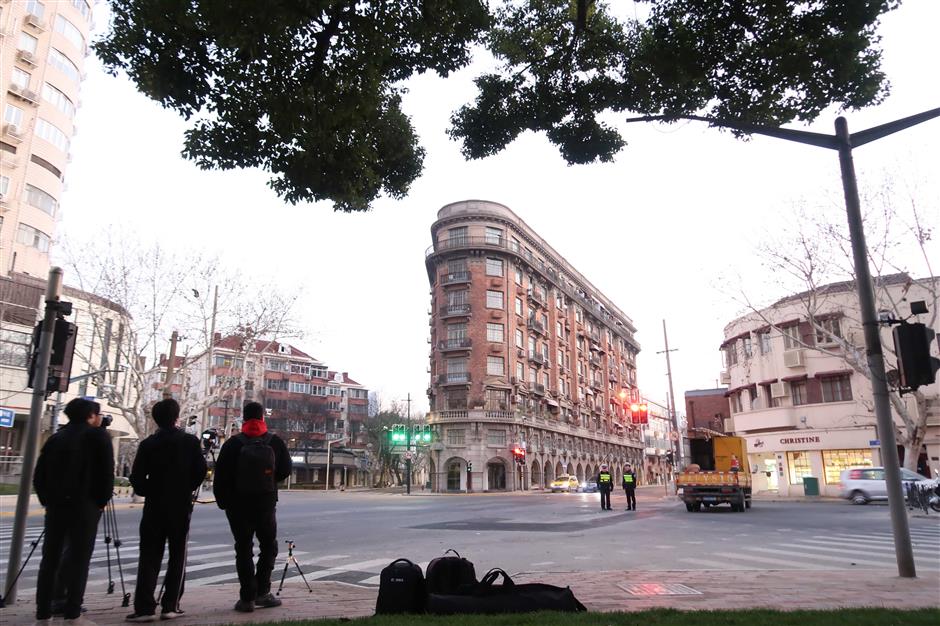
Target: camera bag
point(450, 574)
point(401, 589)
point(508, 597)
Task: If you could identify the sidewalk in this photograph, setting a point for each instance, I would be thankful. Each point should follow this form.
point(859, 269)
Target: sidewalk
point(699, 589)
point(8, 504)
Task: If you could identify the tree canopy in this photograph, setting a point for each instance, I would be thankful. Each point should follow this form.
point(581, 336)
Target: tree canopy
point(310, 90)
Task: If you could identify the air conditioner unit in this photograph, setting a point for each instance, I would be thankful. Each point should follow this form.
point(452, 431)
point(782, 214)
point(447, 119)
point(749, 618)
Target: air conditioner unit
point(729, 424)
point(15, 88)
point(27, 57)
point(520, 353)
point(35, 21)
point(13, 133)
point(793, 358)
point(725, 377)
point(779, 390)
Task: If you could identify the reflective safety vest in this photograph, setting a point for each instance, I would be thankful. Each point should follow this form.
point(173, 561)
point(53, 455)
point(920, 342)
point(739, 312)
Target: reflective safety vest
point(628, 478)
point(604, 477)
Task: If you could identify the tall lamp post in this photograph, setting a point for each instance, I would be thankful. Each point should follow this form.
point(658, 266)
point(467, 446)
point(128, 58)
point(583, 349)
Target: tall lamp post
point(843, 142)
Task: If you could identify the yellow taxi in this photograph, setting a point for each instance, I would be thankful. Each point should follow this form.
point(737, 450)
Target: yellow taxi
point(566, 483)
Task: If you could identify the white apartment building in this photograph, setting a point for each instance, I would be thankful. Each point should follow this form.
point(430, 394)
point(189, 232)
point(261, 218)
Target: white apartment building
point(43, 46)
point(795, 397)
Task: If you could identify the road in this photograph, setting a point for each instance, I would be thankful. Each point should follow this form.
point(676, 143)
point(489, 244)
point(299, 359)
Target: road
point(350, 536)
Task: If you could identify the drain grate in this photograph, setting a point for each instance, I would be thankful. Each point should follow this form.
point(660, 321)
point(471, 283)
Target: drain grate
point(659, 589)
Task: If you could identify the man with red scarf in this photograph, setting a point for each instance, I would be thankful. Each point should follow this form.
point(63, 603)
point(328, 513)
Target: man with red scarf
point(247, 471)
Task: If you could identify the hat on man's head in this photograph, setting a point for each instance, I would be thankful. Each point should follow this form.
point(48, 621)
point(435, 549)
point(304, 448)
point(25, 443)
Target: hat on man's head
point(604, 466)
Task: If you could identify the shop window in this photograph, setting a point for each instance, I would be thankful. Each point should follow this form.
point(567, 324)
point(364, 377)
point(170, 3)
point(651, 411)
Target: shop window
point(834, 461)
point(799, 466)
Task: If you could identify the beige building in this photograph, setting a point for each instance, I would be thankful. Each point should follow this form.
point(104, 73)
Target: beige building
point(42, 53)
point(525, 352)
point(796, 396)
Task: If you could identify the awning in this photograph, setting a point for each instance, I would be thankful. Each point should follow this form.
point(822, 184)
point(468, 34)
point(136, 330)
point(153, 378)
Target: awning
point(790, 379)
point(833, 374)
point(497, 385)
point(769, 381)
point(550, 402)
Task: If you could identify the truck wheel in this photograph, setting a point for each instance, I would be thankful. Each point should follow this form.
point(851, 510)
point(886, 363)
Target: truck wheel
point(734, 507)
point(697, 507)
point(742, 505)
point(689, 507)
point(747, 503)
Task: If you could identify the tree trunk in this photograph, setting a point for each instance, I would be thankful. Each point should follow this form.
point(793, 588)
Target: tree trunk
point(912, 446)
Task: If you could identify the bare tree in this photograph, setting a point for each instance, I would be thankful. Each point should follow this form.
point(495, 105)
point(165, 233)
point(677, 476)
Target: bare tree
point(813, 258)
point(160, 291)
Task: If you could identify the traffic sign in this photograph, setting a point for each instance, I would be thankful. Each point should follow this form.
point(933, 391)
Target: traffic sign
point(874, 443)
point(6, 417)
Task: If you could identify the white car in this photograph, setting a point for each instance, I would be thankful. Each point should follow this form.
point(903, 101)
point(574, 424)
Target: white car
point(861, 485)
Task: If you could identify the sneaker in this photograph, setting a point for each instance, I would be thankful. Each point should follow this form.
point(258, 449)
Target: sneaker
point(267, 601)
point(81, 620)
point(140, 617)
point(164, 615)
point(244, 606)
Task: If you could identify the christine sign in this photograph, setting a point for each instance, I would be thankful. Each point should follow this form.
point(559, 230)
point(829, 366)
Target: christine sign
point(809, 439)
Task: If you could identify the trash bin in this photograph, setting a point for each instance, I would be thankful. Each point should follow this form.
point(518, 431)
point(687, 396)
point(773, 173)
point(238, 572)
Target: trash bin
point(810, 486)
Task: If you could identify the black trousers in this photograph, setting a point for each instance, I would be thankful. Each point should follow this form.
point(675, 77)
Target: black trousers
point(630, 492)
point(246, 524)
point(605, 499)
point(158, 528)
point(75, 524)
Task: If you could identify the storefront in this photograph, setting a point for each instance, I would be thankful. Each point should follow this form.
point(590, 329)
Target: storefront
point(780, 460)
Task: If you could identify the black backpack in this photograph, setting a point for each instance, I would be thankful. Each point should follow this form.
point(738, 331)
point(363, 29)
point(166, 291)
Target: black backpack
point(401, 589)
point(256, 466)
point(450, 574)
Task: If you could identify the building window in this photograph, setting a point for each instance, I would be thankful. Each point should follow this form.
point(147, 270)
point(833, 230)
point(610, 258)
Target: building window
point(83, 7)
point(455, 400)
point(829, 331)
point(28, 43)
point(296, 387)
point(731, 354)
point(4, 186)
point(20, 78)
point(791, 337)
point(457, 298)
point(495, 366)
point(520, 371)
point(40, 199)
point(799, 466)
point(764, 340)
point(29, 236)
point(518, 273)
point(494, 332)
point(13, 116)
point(494, 236)
point(748, 350)
point(494, 299)
point(497, 400)
point(798, 392)
point(15, 348)
point(834, 461)
point(64, 65)
point(58, 99)
point(456, 332)
point(494, 267)
point(496, 438)
point(53, 134)
point(836, 389)
point(455, 436)
point(520, 339)
point(519, 306)
point(70, 32)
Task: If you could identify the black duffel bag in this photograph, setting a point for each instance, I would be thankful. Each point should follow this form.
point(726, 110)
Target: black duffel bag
point(487, 597)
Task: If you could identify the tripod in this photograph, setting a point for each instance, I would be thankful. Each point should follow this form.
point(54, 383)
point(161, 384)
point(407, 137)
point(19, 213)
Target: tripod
point(32, 548)
point(110, 530)
point(292, 559)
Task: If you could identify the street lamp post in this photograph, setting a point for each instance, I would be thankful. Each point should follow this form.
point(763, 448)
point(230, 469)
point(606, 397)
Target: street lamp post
point(843, 142)
point(328, 446)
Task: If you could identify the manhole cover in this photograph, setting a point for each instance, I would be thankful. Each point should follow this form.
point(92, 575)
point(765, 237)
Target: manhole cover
point(658, 589)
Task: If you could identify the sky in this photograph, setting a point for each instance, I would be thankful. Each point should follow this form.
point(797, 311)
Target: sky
point(668, 231)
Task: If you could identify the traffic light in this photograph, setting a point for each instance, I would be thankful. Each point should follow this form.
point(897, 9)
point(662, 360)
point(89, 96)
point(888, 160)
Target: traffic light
point(60, 360)
point(397, 436)
point(469, 466)
point(669, 458)
point(518, 453)
point(635, 413)
point(644, 413)
point(916, 367)
point(421, 434)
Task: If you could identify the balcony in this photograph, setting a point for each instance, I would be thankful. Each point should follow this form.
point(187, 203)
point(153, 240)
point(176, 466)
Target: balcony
point(536, 327)
point(538, 358)
point(454, 310)
point(455, 278)
point(598, 385)
point(449, 345)
point(614, 376)
point(537, 298)
point(454, 378)
point(596, 361)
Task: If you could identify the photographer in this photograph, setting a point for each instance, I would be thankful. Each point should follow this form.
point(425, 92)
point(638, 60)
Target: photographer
point(168, 468)
point(74, 479)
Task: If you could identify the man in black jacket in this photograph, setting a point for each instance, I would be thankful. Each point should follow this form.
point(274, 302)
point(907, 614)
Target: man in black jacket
point(74, 479)
point(247, 471)
point(605, 485)
point(629, 487)
point(168, 469)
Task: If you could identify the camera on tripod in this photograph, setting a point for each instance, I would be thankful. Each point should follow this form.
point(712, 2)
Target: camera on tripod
point(106, 420)
point(210, 438)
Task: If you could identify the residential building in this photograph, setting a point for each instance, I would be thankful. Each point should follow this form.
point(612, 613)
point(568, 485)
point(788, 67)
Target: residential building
point(658, 439)
point(99, 365)
point(796, 392)
point(706, 411)
point(307, 404)
point(525, 351)
point(43, 46)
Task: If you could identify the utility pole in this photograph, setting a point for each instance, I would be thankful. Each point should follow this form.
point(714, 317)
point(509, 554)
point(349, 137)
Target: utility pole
point(672, 399)
point(168, 383)
point(408, 449)
point(210, 359)
point(31, 447)
point(843, 142)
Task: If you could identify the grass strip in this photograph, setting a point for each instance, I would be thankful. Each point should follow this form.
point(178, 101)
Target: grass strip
point(654, 617)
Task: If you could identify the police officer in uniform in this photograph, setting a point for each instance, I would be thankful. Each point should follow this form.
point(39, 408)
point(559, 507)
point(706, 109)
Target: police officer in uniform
point(629, 487)
point(605, 485)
